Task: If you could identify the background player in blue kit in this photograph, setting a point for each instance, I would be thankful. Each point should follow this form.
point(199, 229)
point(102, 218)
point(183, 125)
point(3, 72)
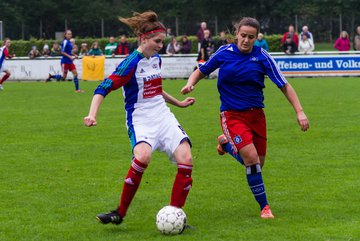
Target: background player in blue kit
point(151, 125)
point(67, 62)
point(243, 67)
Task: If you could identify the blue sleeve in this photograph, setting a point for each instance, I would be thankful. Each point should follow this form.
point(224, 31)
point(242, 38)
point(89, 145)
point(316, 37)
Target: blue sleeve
point(104, 87)
point(213, 63)
point(120, 77)
point(272, 70)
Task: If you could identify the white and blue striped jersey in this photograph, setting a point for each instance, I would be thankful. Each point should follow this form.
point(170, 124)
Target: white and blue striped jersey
point(141, 82)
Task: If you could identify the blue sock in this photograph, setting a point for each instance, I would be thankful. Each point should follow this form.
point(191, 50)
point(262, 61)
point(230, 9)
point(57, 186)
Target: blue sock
point(76, 82)
point(228, 148)
point(256, 184)
point(57, 76)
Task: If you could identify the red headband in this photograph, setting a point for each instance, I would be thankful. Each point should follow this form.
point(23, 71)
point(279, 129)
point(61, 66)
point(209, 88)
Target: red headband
point(153, 31)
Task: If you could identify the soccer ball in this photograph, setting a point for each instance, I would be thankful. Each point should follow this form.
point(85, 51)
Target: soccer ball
point(171, 220)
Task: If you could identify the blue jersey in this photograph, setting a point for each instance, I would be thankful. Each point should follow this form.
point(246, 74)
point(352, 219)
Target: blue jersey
point(241, 76)
point(66, 46)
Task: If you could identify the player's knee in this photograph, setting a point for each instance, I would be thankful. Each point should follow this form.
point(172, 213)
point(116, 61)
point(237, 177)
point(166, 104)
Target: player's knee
point(184, 157)
point(143, 157)
point(250, 158)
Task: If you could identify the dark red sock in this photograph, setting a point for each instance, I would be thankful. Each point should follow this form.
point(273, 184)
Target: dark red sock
point(182, 185)
point(5, 77)
point(132, 182)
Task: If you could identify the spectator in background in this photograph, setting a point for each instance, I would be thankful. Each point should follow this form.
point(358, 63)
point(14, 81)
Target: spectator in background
point(306, 45)
point(34, 52)
point(111, 47)
point(123, 47)
point(222, 41)
point(95, 50)
point(357, 39)
point(83, 49)
point(185, 45)
point(207, 47)
point(55, 50)
point(169, 33)
point(46, 50)
point(289, 46)
point(200, 34)
point(305, 30)
point(292, 34)
point(343, 42)
point(261, 42)
point(173, 47)
point(75, 49)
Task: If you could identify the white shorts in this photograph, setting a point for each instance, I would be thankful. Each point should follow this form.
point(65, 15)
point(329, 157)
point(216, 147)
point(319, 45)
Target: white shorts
point(165, 134)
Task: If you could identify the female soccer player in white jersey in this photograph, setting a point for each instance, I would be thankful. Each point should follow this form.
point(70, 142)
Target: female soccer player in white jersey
point(242, 68)
point(4, 53)
point(151, 125)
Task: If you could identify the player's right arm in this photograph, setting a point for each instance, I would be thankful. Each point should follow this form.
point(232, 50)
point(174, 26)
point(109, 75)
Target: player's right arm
point(117, 79)
point(192, 81)
point(209, 66)
point(90, 119)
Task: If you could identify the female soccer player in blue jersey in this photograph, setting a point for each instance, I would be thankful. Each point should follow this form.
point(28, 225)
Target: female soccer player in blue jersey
point(151, 125)
point(242, 68)
point(67, 62)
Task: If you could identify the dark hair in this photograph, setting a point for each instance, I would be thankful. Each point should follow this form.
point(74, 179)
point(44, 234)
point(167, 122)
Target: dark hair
point(247, 21)
point(142, 23)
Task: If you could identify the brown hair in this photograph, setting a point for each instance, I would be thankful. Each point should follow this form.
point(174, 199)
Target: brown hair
point(144, 23)
point(65, 32)
point(247, 21)
point(5, 39)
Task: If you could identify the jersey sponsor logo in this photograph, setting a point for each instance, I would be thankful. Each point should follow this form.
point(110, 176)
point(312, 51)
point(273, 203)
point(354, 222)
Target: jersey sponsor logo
point(237, 139)
point(152, 88)
point(155, 66)
point(142, 70)
point(151, 77)
point(254, 59)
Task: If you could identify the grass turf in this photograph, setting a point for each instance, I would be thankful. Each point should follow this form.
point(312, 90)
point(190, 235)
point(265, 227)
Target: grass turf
point(56, 174)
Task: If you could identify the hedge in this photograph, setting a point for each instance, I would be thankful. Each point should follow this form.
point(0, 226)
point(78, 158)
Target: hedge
point(23, 47)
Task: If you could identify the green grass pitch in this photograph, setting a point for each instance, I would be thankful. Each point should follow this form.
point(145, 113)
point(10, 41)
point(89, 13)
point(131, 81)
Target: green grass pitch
point(56, 174)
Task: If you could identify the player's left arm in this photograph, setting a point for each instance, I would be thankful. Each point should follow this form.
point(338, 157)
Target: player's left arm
point(292, 97)
point(172, 100)
point(274, 73)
